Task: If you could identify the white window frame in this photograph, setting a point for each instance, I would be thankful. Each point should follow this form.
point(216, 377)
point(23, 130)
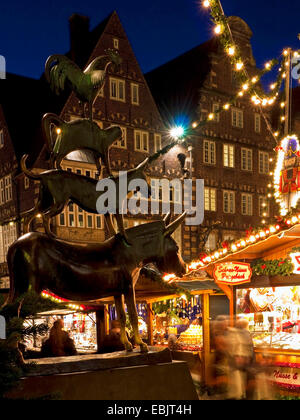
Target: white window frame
point(263, 163)
point(257, 123)
point(209, 152)
point(237, 118)
point(246, 159)
point(211, 243)
point(135, 97)
point(210, 199)
point(229, 207)
point(143, 140)
point(2, 192)
point(115, 91)
point(8, 188)
point(247, 204)
point(157, 142)
point(216, 111)
point(228, 156)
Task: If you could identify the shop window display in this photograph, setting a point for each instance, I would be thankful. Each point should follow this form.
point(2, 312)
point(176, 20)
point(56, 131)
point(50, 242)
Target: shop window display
point(273, 315)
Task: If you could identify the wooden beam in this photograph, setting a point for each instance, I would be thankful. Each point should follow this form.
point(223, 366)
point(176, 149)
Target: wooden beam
point(206, 338)
point(150, 323)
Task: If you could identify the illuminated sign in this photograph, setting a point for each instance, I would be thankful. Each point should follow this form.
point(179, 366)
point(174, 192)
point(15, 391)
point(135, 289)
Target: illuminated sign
point(232, 273)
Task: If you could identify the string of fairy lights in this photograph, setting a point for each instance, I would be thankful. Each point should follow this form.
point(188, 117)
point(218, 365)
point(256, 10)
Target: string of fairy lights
point(249, 86)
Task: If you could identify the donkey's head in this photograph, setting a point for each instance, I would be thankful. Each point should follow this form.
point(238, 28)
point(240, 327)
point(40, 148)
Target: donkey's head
point(171, 261)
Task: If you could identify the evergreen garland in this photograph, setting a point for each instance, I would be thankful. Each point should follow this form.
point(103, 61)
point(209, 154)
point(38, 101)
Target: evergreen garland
point(281, 267)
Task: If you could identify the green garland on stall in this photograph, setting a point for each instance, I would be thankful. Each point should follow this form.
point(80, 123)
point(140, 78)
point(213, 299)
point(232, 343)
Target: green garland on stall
point(281, 267)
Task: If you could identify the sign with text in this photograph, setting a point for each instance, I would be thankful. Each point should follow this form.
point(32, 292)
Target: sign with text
point(285, 377)
point(232, 273)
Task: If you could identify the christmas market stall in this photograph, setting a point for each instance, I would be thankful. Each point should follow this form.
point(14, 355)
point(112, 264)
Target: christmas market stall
point(261, 276)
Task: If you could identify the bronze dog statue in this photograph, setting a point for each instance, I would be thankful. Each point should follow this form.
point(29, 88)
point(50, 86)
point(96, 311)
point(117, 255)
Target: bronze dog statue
point(81, 134)
point(93, 271)
point(59, 187)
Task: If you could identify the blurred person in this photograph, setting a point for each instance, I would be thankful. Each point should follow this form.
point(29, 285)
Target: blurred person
point(220, 328)
point(241, 358)
point(263, 390)
point(59, 343)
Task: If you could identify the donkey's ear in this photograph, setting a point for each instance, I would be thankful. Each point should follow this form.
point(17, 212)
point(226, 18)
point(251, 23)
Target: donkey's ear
point(167, 219)
point(174, 225)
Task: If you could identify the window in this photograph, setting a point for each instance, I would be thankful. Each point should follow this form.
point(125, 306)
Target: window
point(2, 192)
point(229, 202)
point(62, 219)
point(71, 212)
point(210, 199)
point(135, 100)
point(117, 89)
point(157, 142)
point(237, 118)
point(228, 155)
point(257, 123)
point(89, 221)
point(209, 152)
point(9, 235)
point(211, 243)
point(98, 220)
point(8, 188)
point(122, 143)
point(80, 217)
point(141, 141)
point(264, 207)
point(263, 162)
point(247, 206)
point(1, 138)
point(246, 159)
point(116, 43)
point(216, 111)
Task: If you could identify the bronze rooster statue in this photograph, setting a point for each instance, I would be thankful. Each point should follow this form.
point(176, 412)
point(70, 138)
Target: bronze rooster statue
point(61, 72)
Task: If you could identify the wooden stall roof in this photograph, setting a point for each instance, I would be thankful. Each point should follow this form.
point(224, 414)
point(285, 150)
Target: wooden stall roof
point(277, 244)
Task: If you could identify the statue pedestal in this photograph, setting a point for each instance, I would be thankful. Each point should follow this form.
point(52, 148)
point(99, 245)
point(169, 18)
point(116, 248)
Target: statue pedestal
point(114, 376)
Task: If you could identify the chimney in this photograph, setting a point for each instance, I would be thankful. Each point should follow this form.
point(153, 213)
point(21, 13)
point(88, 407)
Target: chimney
point(79, 38)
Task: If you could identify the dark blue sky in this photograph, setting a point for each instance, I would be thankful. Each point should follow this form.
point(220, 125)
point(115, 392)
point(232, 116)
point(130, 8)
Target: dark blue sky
point(158, 30)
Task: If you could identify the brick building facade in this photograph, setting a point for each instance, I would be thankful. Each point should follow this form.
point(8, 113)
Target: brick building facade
point(231, 153)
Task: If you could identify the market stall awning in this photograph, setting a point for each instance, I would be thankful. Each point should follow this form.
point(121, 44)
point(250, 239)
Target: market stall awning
point(271, 245)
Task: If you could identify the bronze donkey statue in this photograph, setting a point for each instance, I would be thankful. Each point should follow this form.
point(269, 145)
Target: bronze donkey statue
point(94, 271)
point(59, 187)
point(81, 134)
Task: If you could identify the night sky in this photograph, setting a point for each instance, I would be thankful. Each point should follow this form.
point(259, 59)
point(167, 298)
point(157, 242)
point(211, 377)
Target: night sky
point(158, 30)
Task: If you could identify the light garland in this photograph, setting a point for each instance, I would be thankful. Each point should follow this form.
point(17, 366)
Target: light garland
point(242, 243)
point(248, 84)
point(57, 299)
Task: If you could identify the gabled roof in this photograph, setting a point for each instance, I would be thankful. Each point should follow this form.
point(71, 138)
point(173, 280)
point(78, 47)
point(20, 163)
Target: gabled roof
point(25, 100)
point(175, 84)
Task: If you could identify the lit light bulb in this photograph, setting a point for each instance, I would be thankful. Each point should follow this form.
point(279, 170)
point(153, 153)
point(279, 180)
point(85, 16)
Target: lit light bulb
point(226, 106)
point(246, 86)
point(282, 104)
point(58, 130)
point(211, 116)
point(218, 29)
point(239, 65)
point(268, 65)
point(206, 3)
point(194, 125)
point(254, 79)
point(273, 86)
point(285, 52)
point(231, 51)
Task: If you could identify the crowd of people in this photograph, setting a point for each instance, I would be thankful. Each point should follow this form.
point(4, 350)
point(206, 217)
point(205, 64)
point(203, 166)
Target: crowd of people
point(236, 375)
